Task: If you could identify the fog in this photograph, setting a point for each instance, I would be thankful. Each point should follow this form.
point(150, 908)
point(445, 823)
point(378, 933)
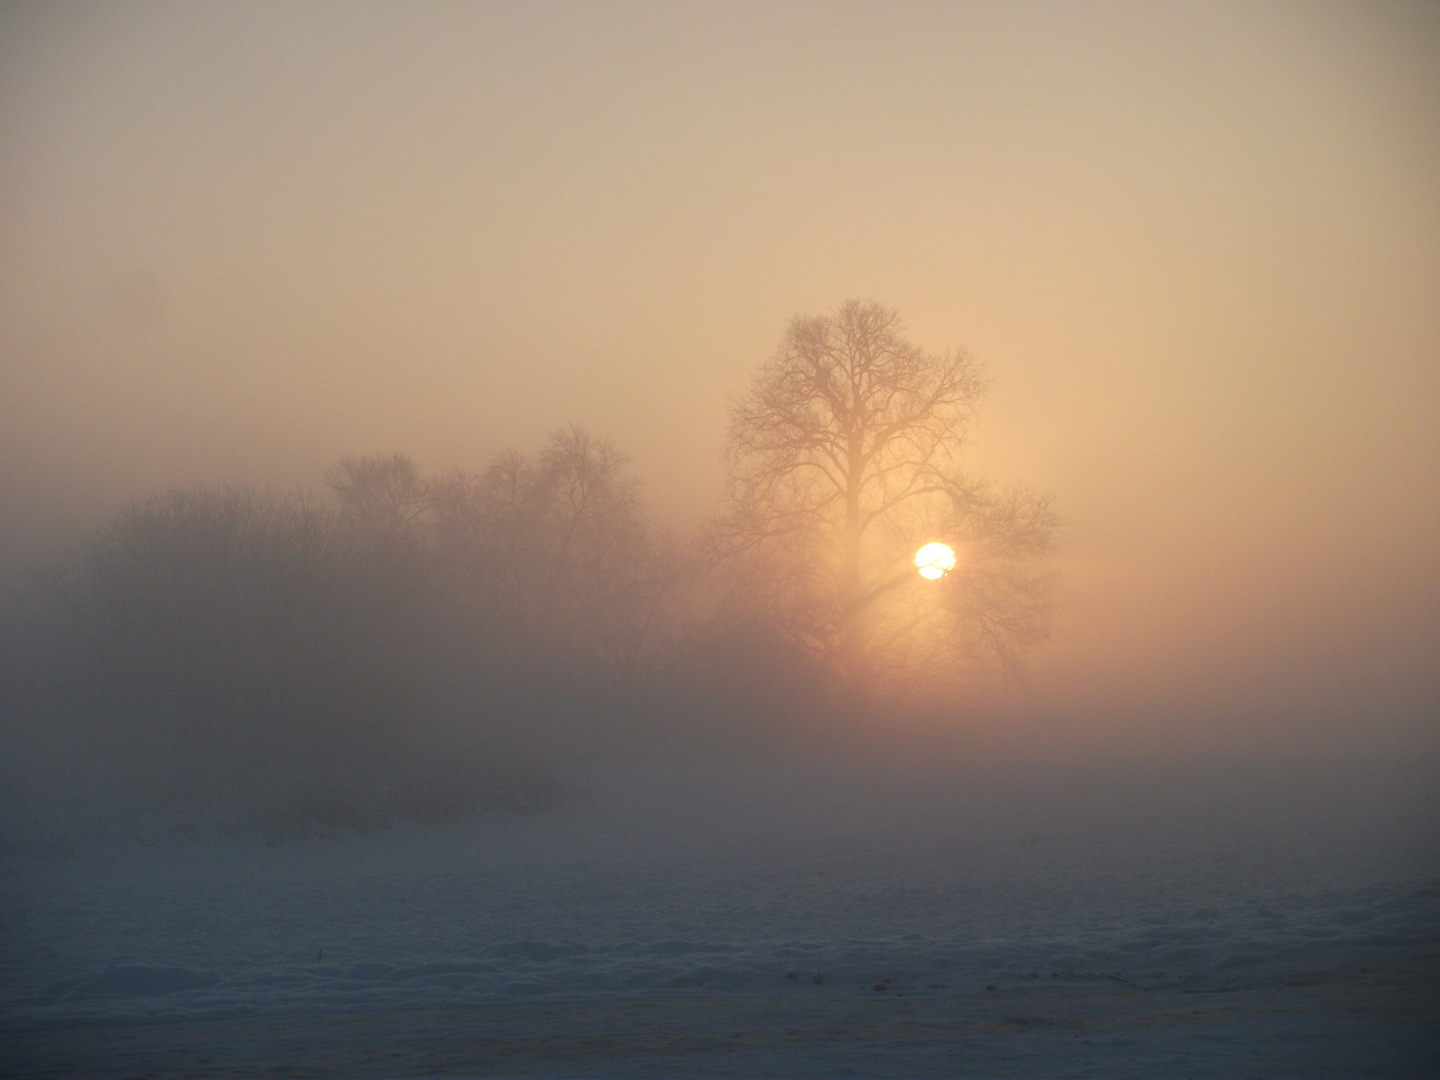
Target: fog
point(374, 391)
point(1196, 250)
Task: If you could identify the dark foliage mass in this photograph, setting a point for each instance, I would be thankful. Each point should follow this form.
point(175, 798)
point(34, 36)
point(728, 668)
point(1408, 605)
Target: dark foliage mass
point(405, 648)
point(423, 648)
point(256, 661)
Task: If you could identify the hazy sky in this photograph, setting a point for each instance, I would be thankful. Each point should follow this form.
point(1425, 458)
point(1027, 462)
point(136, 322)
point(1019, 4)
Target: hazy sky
point(1197, 247)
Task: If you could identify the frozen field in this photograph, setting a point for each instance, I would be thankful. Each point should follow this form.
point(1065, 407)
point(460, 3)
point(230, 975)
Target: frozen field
point(1265, 922)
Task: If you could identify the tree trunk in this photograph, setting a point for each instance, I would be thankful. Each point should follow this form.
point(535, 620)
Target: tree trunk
point(854, 653)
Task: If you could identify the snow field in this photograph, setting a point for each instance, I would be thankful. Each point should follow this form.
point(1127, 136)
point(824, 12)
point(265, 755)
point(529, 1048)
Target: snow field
point(673, 924)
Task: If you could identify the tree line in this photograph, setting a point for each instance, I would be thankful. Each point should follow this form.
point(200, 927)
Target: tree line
point(420, 647)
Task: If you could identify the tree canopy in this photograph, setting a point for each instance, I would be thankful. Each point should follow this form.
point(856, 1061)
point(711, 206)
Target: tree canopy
point(843, 458)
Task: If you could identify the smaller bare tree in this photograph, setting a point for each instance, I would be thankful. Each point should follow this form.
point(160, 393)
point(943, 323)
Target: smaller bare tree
point(554, 551)
point(379, 492)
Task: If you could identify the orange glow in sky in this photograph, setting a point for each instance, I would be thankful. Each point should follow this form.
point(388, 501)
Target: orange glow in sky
point(1196, 247)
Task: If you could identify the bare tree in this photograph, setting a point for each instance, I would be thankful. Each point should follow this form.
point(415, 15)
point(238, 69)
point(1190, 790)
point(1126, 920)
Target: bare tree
point(555, 547)
point(379, 492)
point(384, 504)
point(844, 457)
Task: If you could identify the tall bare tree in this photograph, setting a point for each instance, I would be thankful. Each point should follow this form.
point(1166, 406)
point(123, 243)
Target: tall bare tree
point(843, 458)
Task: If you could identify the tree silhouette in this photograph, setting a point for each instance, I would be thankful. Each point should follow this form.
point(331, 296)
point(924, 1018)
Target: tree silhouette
point(379, 492)
point(843, 458)
point(554, 551)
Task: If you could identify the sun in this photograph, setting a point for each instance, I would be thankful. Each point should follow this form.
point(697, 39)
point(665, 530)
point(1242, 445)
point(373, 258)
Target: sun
point(934, 561)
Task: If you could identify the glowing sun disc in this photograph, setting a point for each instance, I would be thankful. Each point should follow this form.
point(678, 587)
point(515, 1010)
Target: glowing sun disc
point(934, 561)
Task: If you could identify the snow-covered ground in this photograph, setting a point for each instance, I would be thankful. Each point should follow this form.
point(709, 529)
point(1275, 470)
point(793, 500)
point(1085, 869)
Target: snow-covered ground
point(1170, 922)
